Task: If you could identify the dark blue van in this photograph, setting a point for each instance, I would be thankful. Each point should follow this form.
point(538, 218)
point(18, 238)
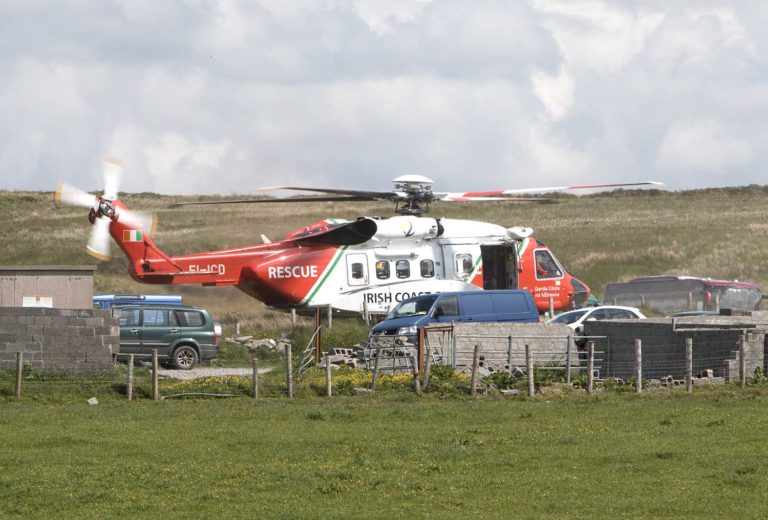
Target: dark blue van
point(469, 306)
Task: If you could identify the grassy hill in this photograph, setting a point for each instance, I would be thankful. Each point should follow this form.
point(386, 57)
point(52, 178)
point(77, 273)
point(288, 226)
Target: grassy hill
point(719, 233)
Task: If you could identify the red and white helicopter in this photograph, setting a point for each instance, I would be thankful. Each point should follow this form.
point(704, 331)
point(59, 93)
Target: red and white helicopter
point(368, 264)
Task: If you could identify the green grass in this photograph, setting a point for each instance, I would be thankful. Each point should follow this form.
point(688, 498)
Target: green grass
point(615, 455)
point(612, 456)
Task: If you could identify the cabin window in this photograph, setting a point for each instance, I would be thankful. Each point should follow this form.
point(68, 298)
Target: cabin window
point(464, 264)
point(357, 271)
point(382, 269)
point(546, 267)
point(403, 269)
point(427, 268)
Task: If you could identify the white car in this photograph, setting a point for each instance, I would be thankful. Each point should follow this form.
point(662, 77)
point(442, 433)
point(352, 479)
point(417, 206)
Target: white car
point(575, 319)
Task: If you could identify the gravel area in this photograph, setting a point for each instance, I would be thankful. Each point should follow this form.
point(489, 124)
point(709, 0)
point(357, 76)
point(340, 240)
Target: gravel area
point(207, 372)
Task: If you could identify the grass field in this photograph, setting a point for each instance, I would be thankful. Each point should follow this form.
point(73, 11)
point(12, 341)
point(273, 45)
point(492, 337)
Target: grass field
point(662, 454)
point(668, 455)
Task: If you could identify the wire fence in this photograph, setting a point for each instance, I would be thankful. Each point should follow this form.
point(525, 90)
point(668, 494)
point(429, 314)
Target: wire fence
point(572, 360)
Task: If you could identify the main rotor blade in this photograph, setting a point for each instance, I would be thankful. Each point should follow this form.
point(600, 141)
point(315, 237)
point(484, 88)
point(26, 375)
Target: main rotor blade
point(486, 199)
point(501, 193)
point(354, 193)
point(73, 196)
point(274, 201)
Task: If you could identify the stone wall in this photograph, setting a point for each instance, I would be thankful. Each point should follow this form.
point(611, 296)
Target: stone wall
point(548, 344)
point(59, 340)
point(715, 346)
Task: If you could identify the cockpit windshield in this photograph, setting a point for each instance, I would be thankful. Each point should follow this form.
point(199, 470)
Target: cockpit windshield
point(417, 306)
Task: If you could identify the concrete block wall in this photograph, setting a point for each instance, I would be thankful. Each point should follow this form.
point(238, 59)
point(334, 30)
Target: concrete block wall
point(548, 344)
point(715, 347)
point(59, 340)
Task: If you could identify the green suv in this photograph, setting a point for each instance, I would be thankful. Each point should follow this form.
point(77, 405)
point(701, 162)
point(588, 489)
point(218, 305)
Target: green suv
point(183, 335)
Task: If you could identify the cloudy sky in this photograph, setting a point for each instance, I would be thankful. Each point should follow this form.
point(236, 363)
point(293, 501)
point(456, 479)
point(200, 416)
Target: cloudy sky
point(223, 96)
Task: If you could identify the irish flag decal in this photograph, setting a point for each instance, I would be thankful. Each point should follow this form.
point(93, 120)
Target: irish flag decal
point(132, 235)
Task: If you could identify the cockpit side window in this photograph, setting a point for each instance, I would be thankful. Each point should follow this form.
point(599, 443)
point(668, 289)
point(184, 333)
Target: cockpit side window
point(546, 267)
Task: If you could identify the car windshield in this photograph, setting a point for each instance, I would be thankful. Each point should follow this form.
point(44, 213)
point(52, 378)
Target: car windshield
point(412, 307)
point(568, 317)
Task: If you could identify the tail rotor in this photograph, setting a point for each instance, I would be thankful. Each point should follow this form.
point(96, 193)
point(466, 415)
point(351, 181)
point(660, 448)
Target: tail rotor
point(102, 210)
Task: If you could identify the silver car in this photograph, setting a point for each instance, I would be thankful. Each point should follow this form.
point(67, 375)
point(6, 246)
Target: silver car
point(575, 319)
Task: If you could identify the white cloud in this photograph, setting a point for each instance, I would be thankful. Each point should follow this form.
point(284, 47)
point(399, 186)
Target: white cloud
point(175, 164)
point(230, 28)
point(383, 16)
point(702, 145)
point(552, 155)
point(555, 92)
point(228, 95)
point(598, 35)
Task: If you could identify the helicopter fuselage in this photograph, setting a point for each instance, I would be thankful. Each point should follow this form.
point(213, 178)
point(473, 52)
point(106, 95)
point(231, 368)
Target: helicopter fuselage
point(367, 265)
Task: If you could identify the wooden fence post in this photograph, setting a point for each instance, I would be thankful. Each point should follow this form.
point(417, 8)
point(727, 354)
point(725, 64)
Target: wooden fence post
point(509, 353)
point(742, 360)
point(294, 320)
point(427, 365)
point(475, 370)
point(421, 340)
point(255, 365)
point(289, 369)
point(529, 369)
point(590, 366)
point(376, 369)
point(330, 317)
point(19, 370)
point(416, 382)
point(639, 365)
point(328, 382)
point(689, 365)
point(568, 359)
point(155, 375)
point(129, 389)
point(551, 307)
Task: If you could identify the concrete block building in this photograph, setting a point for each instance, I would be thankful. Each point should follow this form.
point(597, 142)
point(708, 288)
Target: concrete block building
point(53, 286)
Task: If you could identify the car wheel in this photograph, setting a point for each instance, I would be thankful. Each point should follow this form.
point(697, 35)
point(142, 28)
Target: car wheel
point(184, 357)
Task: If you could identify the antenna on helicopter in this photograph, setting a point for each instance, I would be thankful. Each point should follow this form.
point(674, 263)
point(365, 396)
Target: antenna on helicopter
point(413, 190)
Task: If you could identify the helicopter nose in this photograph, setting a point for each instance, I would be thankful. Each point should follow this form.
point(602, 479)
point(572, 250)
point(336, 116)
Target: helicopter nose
point(580, 292)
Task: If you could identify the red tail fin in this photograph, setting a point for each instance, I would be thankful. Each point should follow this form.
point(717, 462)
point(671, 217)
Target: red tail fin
point(134, 240)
